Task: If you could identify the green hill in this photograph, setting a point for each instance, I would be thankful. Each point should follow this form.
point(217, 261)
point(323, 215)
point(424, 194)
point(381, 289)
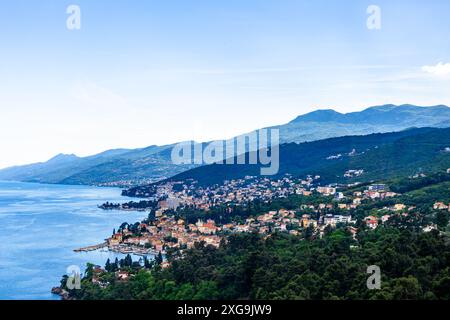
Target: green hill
point(381, 156)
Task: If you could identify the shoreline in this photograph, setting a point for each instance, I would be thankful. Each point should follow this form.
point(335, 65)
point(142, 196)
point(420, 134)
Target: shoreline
point(119, 249)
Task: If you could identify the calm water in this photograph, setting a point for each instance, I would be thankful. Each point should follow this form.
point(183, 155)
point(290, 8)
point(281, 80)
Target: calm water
point(40, 225)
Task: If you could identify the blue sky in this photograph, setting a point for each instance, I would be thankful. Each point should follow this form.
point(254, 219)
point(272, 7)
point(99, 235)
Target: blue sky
point(139, 73)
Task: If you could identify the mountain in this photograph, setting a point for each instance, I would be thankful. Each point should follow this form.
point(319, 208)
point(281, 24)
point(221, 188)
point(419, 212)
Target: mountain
point(381, 156)
point(322, 124)
point(116, 167)
point(139, 166)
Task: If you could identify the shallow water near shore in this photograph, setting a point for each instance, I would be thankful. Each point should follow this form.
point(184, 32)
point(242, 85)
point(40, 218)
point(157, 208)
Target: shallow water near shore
point(41, 225)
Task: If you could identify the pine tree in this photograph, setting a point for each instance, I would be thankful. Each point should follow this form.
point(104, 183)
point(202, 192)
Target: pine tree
point(159, 259)
point(108, 265)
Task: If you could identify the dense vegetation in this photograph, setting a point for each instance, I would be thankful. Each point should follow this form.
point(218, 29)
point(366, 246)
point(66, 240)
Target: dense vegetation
point(413, 266)
point(381, 156)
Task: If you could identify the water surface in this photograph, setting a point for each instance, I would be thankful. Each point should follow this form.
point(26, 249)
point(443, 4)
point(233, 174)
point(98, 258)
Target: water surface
point(41, 225)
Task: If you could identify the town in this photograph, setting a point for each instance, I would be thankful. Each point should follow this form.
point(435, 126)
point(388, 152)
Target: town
point(168, 226)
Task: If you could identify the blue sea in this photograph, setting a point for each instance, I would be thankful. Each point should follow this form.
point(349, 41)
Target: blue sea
point(41, 225)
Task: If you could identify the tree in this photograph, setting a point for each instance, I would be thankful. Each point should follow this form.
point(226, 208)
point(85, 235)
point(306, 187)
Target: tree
point(207, 290)
point(442, 219)
point(159, 259)
point(108, 265)
point(406, 289)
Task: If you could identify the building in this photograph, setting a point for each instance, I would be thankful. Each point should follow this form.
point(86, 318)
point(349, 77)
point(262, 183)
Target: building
point(339, 196)
point(399, 207)
point(305, 220)
point(430, 228)
point(326, 190)
point(329, 220)
point(343, 219)
point(440, 206)
point(373, 194)
point(371, 222)
point(207, 228)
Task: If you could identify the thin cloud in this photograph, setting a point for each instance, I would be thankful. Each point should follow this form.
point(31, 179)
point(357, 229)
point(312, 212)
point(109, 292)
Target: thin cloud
point(441, 69)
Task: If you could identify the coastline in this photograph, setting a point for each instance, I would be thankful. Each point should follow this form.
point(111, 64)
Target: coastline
point(64, 217)
point(122, 249)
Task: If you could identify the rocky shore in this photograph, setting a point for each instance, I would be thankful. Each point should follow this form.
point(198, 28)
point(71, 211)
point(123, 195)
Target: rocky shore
point(61, 292)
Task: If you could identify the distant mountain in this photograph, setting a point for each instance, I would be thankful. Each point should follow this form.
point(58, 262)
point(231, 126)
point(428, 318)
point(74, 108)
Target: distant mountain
point(120, 166)
point(380, 156)
point(322, 124)
point(139, 166)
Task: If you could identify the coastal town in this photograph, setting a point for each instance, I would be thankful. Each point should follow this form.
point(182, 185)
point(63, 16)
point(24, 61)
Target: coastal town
point(329, 206)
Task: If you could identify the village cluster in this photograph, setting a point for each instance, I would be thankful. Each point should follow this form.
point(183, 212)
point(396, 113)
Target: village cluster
point(166, 231)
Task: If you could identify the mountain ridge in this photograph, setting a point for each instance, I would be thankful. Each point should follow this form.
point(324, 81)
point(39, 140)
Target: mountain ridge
point(125, 167)
point(380, 156)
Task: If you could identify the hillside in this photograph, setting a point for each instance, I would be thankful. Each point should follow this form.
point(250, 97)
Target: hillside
point(125, 167)
point(381, 156)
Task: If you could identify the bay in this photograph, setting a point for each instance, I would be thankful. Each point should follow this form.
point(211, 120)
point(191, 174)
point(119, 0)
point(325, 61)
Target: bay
point(41, 225)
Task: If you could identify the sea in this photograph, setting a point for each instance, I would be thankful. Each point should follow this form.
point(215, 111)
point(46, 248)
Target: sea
point(41, 225)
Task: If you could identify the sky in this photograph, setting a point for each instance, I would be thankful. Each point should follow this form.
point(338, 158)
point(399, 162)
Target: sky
point(138, 73)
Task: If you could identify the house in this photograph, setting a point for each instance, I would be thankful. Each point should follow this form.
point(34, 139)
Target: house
point(329, 220)
point(339, 196)
point(228, 226)
point(313, 223)
point(116, 239)
point(429, 228)
point(326, 190)
point(399, 207)
point(373, 194)
point(143, 241)
point(207, 228)
point(242, 228)
point(122, 275)
point(371, 222)
point(440, 206)
point(264, 229)
point(305, 220)
point(266, 217)
point(342, 219)
point(390, 194)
